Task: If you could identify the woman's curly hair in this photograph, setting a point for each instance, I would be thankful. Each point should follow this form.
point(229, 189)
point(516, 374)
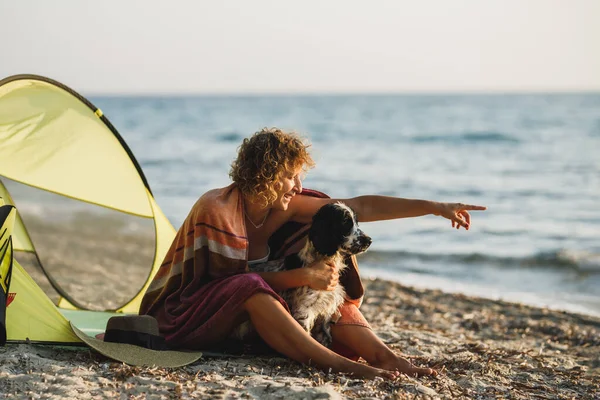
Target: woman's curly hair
point(264, 158)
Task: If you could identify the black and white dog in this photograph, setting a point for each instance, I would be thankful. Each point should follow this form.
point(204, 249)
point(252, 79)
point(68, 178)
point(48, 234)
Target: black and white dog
point(333, 236)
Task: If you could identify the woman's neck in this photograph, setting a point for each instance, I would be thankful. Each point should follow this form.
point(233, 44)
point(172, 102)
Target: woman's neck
point(255, 213)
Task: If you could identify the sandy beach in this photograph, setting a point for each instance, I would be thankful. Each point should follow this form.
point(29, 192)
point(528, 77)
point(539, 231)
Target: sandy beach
point(482, 348)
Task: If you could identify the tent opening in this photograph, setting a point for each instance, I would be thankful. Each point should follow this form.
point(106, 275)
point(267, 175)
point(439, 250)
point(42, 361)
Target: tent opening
point(93, 256)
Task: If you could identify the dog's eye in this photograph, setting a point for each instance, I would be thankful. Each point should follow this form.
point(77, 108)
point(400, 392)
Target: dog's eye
point(348, 225)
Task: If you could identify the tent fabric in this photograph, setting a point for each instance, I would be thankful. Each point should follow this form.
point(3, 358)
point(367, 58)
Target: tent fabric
point(165, 233)
point(21, 241)
point(7, 219)
point(32, 316)
point(29, 313)
point(45, 131)
point(90, 322)
point(54, 140)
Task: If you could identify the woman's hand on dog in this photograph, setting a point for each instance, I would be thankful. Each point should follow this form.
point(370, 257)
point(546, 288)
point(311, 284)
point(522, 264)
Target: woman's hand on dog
point(322, 275)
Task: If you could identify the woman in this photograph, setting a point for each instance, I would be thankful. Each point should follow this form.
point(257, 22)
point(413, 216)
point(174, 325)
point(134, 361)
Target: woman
point(203, 290)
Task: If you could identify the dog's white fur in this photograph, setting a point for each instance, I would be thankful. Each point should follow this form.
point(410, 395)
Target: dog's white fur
point(315, 309)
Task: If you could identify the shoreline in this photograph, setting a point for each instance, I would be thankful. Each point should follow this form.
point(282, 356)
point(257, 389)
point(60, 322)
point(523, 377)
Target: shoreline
point(482, 348)
point(473, 290)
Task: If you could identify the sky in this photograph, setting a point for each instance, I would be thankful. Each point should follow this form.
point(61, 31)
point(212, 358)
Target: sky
point(309, 46)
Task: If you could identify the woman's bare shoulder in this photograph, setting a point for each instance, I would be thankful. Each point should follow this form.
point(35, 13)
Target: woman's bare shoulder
point(302, 208)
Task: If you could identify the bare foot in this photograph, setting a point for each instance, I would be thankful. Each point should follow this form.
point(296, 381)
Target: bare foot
point(393, 362)
point(368, 372)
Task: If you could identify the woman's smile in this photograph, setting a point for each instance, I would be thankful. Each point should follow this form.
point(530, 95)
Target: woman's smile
point(289, 196)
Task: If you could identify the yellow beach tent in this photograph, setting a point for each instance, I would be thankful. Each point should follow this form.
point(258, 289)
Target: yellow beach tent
point(87, 234)
point(7, 223)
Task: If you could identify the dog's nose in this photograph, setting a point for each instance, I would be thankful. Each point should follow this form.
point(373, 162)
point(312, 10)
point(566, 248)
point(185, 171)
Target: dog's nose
point(366, 240)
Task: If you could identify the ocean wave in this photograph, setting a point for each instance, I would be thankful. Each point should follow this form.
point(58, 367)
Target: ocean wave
point(230, 137)
point(161, 162)
point(467, 137)
point(580, 261)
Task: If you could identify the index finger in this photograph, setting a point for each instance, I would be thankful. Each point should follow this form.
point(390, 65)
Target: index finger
point(472, 207)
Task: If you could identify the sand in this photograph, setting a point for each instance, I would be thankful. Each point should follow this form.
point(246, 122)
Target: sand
point(483, 349)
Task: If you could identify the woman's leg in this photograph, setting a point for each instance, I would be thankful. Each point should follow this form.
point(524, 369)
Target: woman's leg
point(280, 331)
point(366, 344)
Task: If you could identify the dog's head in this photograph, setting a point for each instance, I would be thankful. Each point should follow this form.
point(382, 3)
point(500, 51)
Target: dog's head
point(334, 228)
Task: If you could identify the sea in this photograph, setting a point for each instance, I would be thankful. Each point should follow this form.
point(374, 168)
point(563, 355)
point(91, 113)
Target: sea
point(532, 159)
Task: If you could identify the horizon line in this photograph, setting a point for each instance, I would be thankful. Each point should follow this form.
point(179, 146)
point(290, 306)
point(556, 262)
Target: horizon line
point(482, 92)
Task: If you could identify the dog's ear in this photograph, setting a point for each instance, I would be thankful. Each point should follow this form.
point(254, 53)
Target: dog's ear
point(326, 232)
point(324, 243)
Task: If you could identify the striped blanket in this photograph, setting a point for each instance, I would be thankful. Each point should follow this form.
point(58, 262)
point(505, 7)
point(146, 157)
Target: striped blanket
point(198, 291)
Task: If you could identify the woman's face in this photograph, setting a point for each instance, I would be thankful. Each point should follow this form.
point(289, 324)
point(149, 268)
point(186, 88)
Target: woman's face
point(290, 185)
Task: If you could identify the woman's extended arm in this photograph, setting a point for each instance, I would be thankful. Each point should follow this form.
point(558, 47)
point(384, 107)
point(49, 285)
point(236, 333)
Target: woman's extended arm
point(380, 208)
